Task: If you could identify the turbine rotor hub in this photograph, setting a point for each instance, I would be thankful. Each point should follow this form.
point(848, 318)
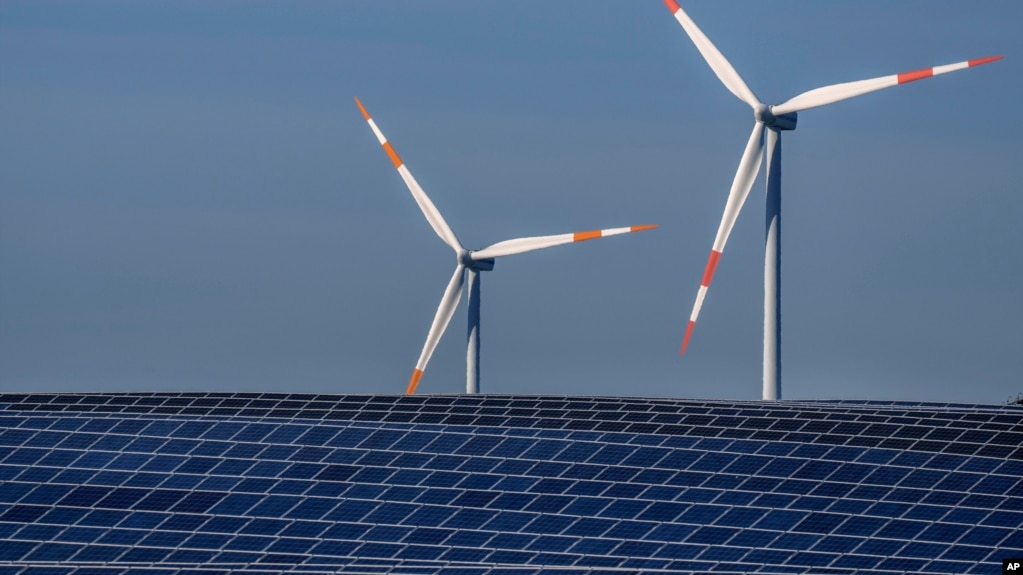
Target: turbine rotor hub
point(765, 116)
point(483, 265)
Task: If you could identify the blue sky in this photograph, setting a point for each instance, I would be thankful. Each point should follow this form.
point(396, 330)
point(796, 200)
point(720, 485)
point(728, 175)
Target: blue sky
point(190, 200)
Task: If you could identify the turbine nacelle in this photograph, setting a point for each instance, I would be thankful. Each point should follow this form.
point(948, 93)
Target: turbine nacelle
point(764, 114)
point(481, 265)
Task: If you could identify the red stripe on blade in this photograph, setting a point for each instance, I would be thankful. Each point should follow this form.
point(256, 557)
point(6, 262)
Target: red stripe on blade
point(914, 76)
point(672, 5)
point(583, 236)
point(392, 154)
point(712, 264)
point(642, 228)
point(685, 341)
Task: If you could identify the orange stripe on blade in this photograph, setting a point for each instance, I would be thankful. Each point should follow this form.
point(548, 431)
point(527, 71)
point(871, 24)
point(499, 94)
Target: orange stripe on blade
point(392, 154)
point(917, 75)
point(685, 341)
point(362, 109)
point(672, 5)
point(417, 374)
point(583, 236)
point(642, 228)
point(987, 60)
point(712, 264)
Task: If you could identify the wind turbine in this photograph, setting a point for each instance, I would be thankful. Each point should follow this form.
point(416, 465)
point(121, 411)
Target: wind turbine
point(773, 119)
point(472, 261)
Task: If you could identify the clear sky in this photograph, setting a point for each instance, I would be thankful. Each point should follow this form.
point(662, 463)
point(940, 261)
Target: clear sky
point(190, 199)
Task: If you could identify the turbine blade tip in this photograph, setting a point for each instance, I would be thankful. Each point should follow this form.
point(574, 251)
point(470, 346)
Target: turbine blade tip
point(685, 341)
point(988, 60)
point(643, 228)
point(362, 108)
point(672, 5)
point(417, 374)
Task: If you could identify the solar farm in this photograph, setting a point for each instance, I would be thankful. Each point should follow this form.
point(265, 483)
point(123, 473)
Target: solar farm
point(259, 483)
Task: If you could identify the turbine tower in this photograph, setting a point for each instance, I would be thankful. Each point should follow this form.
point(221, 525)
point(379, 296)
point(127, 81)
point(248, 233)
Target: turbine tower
point(472, 261)
point(775, 120)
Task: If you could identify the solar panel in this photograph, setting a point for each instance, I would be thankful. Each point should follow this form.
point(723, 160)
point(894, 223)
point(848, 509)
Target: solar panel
point(504, 484)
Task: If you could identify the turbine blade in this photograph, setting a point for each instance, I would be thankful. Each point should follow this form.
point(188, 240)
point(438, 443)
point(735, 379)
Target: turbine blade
point(445, 310)
point(749, 166)
point(722, 68)
point(838, 92)
point(429, 210)
point(523, 245)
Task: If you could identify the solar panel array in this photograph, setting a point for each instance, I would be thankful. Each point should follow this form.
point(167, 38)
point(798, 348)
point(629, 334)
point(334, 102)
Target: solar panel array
point(260, 483)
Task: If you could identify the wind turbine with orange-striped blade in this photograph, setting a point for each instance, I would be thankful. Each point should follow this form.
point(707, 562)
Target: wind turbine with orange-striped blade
point(472, 262)
point(773, 119)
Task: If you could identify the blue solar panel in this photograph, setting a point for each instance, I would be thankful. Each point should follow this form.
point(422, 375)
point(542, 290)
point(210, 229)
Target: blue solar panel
point(459, 484)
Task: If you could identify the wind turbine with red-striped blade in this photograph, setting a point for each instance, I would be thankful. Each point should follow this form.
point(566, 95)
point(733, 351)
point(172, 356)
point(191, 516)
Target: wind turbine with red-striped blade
point(773, 119)
point(472, 262)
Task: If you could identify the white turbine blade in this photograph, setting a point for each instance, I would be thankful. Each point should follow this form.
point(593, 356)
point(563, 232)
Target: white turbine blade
point(749, 166)
point(838, 92)
point(523, 245)
point(722, 68)
point(429, 210)
point(445, 310)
